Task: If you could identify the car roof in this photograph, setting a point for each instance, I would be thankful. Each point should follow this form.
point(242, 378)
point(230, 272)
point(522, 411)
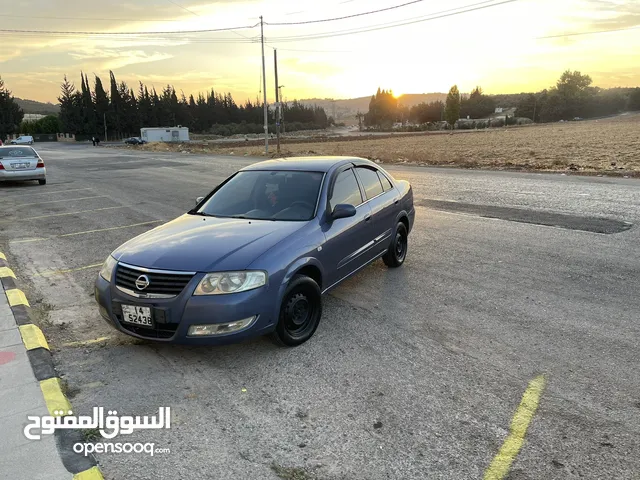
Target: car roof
point(309, 164)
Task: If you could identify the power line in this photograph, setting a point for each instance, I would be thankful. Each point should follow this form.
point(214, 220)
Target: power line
point(307, 51)
point(399, 23)
point(575, 34)
point(346, 16)
point(175, 32)
point(90, 18)
point(183, 8)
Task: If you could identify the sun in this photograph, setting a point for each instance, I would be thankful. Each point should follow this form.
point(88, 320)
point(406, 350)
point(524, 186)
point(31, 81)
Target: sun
point(397, 95)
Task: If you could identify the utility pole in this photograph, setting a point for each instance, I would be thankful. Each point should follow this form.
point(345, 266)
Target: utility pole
point(264, 89)
point(105, 127)
point(275, 62)
point(284, 130)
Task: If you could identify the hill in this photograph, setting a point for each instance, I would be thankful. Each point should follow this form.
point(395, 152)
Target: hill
point(345, 110)
point(31, 106)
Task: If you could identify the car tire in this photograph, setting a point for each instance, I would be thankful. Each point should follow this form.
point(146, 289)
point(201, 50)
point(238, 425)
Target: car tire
point(300, 312)
point(42, 182)
point(397, 252)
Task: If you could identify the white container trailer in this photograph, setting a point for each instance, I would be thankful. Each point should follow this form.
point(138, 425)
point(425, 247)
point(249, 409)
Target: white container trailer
point(165, 134)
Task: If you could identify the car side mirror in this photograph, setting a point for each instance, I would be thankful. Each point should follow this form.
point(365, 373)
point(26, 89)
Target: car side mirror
point(343, 210)
point(199, 199)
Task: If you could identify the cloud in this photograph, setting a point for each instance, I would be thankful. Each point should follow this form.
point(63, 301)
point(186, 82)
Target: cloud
point(112, 59)
point(615, 14)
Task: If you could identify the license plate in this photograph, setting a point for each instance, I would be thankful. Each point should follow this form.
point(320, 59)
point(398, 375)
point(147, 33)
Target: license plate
point(18, 166)
point(137, 315)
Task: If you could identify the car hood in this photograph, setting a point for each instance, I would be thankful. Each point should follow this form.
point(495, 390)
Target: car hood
point(204, 244)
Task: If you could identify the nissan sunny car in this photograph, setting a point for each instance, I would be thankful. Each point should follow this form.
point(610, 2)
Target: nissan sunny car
point(255, 255)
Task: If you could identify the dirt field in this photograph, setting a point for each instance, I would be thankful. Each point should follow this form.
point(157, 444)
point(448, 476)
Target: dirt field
point(608, 146)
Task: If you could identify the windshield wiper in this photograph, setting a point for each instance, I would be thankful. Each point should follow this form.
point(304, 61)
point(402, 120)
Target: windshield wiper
point(202, 214)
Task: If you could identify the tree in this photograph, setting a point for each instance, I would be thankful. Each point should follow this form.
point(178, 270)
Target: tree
point(47, 125)
point(88, 110)
point(634, 99)
point(101, 100)
point(426, 112)
point(452, 106)
point(10, 112)
point(116, 106)
point(478, 105)
point(528, 108)
point(383, 110)
point(573, 88)
point(69, 113)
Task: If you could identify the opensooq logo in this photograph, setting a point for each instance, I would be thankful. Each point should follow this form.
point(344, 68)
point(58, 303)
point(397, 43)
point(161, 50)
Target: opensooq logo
point(109, 426)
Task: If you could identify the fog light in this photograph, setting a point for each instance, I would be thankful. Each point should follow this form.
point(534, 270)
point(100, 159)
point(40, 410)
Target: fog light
point(220, 328)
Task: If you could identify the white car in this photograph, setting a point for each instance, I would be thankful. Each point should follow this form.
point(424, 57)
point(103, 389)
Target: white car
point(21, 163)
point(23, 140)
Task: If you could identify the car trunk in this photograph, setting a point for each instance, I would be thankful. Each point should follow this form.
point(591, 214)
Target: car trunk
point(18, 162)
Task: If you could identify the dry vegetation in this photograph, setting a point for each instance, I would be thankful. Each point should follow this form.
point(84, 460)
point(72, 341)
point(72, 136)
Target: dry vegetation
point(609, 146)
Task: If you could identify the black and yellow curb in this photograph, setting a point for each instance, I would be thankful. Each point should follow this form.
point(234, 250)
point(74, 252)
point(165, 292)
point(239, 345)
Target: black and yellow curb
point(81, 467)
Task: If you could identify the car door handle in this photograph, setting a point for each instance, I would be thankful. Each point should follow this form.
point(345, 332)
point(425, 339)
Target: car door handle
point(396, 202)
point(367, 218)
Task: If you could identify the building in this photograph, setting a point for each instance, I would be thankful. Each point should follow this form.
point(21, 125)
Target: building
point(165, 134)
point(32, 117)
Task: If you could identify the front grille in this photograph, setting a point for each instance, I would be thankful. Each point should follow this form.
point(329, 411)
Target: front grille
point(160, 283)
point(162, 330)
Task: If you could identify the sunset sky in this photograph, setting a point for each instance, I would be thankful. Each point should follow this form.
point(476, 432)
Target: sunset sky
point(499, 48)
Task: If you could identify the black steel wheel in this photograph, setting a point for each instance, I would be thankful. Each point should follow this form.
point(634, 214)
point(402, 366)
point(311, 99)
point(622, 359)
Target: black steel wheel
point(300, 312)
point(397, 252)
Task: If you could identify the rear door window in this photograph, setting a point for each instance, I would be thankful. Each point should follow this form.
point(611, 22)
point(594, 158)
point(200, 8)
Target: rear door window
point(370, 181)
point(386, 184)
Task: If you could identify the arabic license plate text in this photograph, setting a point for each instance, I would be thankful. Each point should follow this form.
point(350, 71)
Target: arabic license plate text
point(137, 315)
point(19, 165)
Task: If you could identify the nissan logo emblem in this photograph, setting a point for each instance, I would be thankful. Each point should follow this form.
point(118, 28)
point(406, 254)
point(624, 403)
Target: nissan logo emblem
point(142, 282)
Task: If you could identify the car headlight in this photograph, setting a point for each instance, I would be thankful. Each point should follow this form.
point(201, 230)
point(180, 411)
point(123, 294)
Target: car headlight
point(108, 266)
point(230, 282)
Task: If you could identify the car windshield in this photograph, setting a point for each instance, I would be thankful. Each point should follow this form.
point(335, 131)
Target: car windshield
point(14, 152)
point(266, 195)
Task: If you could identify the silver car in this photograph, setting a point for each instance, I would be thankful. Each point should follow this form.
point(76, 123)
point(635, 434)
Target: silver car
point(18, 163)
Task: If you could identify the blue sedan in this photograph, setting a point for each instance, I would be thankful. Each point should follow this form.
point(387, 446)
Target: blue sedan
point(255, 256)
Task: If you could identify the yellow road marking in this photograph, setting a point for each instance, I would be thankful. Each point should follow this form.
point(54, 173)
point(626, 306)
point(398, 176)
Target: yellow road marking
point(93, 473)
point(32, 337)
point(31, 240)
point(6, 272)
point(73, 213)
point(83, 343)
point(3, 257)
point(47, 193)
point(62, 272)
point(16, 297)
point(501, 463)
point(58, 201)
point(53, 396)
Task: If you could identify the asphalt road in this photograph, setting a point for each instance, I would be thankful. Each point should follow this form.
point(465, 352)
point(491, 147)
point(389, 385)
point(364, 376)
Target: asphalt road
point(413, 373)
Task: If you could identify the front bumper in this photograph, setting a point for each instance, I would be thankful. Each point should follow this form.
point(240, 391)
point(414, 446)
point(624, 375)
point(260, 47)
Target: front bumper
point(21, 175)
point(172, 317)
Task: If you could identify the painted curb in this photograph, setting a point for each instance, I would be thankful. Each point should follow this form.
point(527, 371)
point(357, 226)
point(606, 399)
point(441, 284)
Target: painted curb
point(81, 467)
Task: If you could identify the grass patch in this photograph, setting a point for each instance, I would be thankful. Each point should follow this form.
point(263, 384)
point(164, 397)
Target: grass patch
point(291, 473)
point(91, 434)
